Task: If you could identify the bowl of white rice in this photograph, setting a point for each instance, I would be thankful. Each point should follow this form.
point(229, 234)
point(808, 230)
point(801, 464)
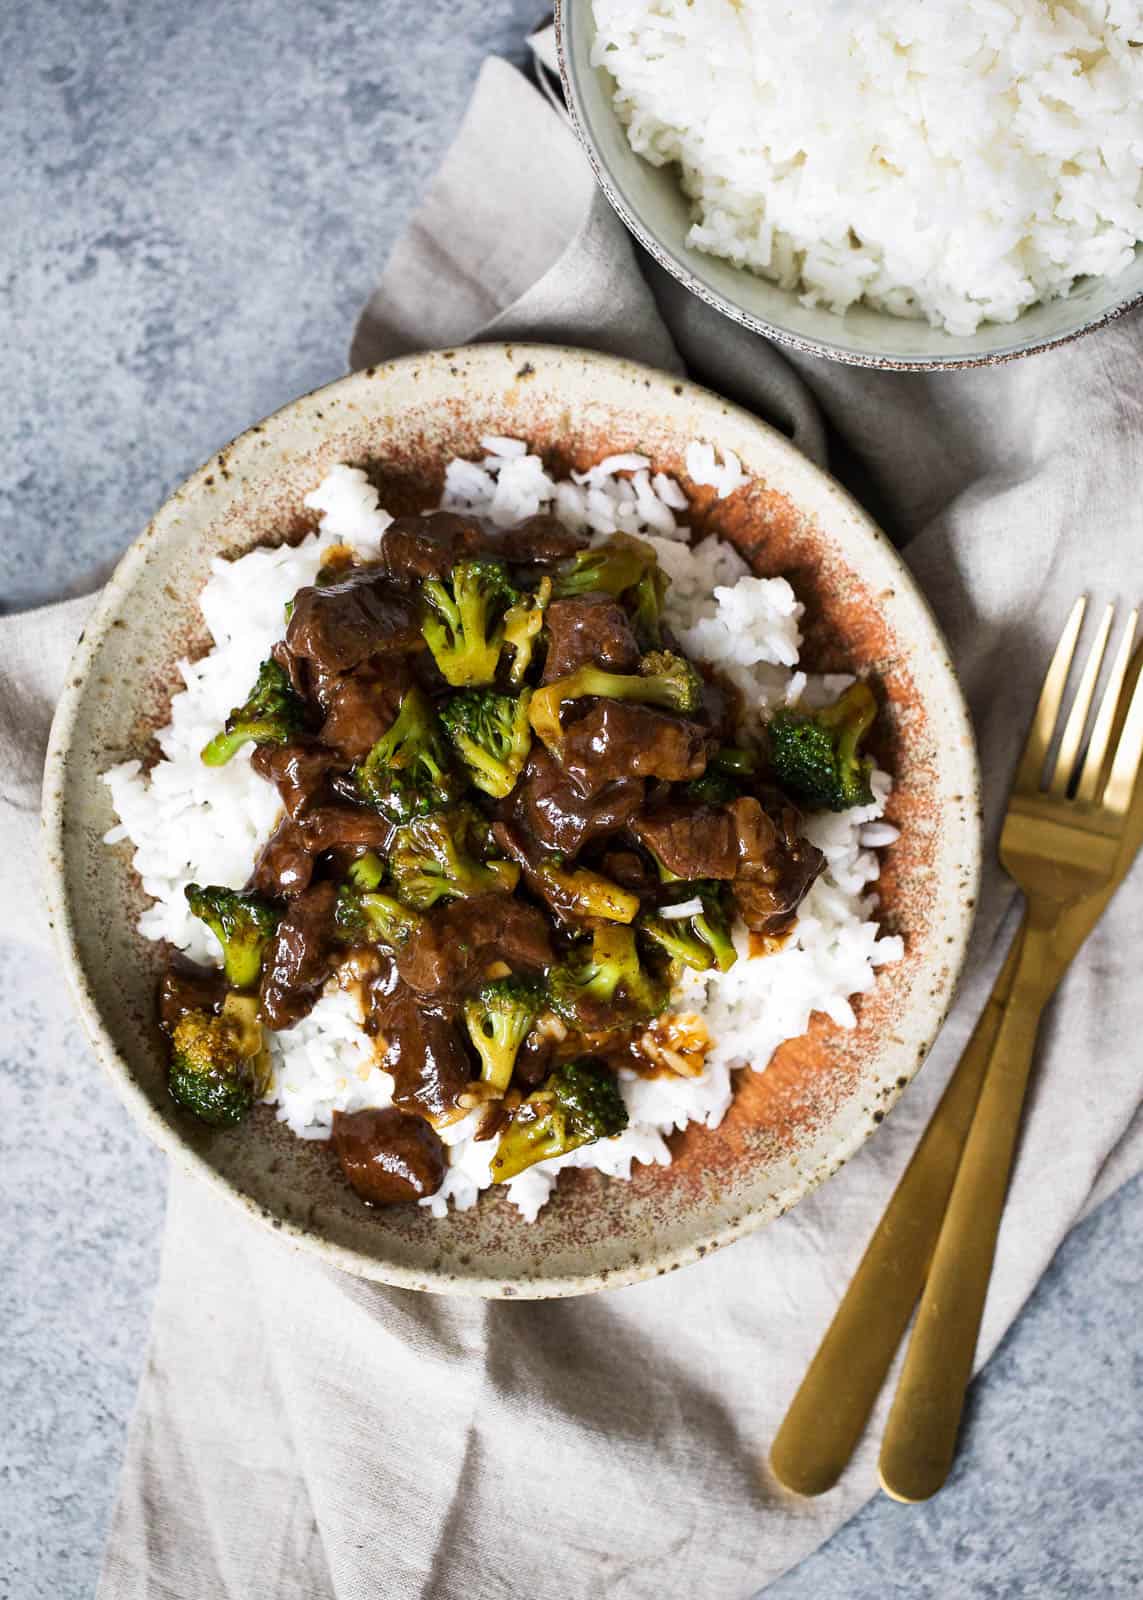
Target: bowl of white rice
point(905, 185)
point(777, 578)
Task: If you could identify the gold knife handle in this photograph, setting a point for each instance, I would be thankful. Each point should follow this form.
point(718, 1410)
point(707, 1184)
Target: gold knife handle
point(920, 1437)
point(825, 1421)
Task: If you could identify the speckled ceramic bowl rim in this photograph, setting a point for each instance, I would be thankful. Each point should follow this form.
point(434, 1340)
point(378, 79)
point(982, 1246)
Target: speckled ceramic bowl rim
point(661, 252)
point(105, 615)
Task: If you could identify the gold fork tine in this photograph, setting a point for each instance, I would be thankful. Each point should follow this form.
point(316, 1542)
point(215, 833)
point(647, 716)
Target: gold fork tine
point(1104, 727)
point(1048, 706)
point(1128, 757)
point(1072, 738)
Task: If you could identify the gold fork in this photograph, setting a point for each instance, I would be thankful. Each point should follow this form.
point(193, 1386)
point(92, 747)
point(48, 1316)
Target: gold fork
point(1059, 842)
point(827, 1416)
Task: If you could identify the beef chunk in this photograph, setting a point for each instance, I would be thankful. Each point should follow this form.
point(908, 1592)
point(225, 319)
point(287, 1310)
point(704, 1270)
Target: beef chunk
point(619, 739)
point(285, 866)
point(562, 899)
point(552, 809)
point(721, 704)
point(493, 1120)
point(691, 840)
point(343, 624)
point(777, 867)
point(361, 705)
point(295, 668)
point(541, 538)
point(424, 1049)
point(533, 1060)
point(628, 869)
point(322, 681)
point(345, 827)
point(299, 958)
point(301, 771)
point(427, 1059)
point(413, 548)
point(593, 629)
point(757, 846)
point(389, 1156)
point(184, 987)
point(460, 939)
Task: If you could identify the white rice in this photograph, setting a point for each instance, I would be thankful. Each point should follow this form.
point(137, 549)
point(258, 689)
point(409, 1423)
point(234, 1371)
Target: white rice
point(951, 161)
point(188, 822)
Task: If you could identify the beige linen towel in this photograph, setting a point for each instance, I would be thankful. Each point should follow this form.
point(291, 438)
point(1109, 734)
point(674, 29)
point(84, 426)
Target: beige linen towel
point(303, 1434)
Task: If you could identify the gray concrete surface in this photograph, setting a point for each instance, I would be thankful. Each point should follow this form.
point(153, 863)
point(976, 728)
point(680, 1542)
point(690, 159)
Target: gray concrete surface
point(197, 198)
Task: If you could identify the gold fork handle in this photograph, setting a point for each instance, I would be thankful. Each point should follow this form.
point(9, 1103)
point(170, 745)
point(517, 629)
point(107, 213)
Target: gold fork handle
point(920, 1437)
point(827, 1415)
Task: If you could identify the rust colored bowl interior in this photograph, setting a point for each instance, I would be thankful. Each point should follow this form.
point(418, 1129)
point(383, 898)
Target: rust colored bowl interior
point(790, 1126)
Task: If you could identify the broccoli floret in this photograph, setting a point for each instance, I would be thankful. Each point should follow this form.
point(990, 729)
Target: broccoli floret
point(406, 774)
point(714, 788)
point(432, 860)
point(367, 871)
point(701, 941)
point(463, 622)
point(610, 975)
point(498, 1017)
point(678, 939)
point(242, 923)
point(219, 1064)
point(713, 927)
point(647, 608)
point(576, 1104)
point(722, 780)
point(523, 622)
point(492, 736)
point(663, 679)
point(815, 755)
point(674, 681)
point(272, 714)
point(372, 918)
point(586, 893)
point(609, 568)
point(571, 891)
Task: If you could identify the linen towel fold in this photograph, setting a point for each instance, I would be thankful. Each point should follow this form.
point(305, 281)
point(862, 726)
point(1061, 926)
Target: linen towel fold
point(303, 1434)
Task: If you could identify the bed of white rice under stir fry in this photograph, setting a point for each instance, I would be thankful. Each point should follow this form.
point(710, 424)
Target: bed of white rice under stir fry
point(189, 822)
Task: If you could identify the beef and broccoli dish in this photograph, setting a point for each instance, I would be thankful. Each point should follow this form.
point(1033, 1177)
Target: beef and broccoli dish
point(514, 814)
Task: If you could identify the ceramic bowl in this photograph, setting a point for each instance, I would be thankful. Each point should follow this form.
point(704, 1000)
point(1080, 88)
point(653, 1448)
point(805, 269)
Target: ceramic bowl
point(653, 206)
point(790, 1126)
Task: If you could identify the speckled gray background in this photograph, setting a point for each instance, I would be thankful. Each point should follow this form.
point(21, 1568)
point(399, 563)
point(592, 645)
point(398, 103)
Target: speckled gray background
point(196, 199)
